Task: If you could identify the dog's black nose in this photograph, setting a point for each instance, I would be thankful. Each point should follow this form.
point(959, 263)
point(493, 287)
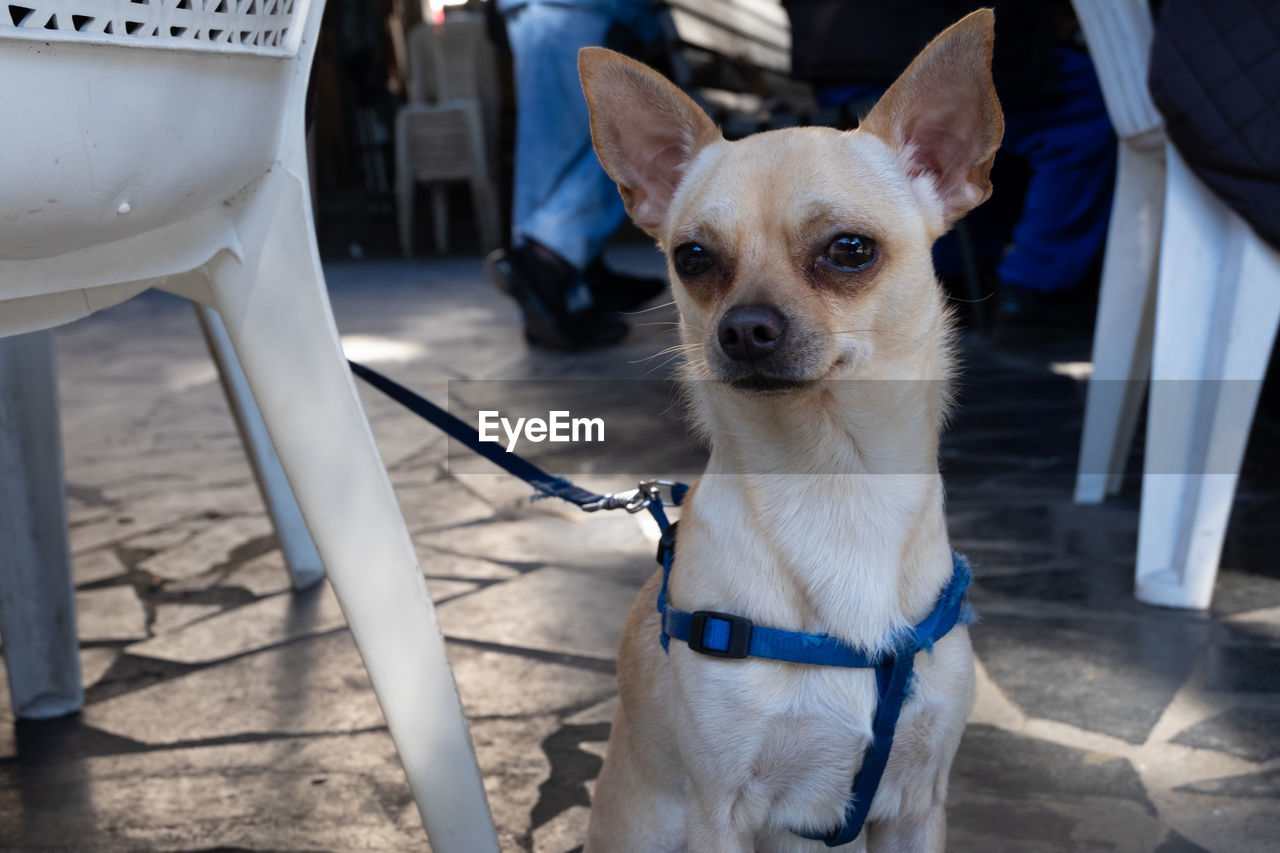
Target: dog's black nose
point(751, 332)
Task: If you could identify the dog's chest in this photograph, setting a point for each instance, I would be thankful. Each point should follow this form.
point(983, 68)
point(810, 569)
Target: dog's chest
point(779, 733)
point(785, 742)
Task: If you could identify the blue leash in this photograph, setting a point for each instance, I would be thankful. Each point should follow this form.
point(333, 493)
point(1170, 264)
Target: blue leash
point(545, 485)
point(724, 635)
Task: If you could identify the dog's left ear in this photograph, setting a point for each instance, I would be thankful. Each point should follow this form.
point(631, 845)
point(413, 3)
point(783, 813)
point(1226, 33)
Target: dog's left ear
point(943, 114)
point(646, 131)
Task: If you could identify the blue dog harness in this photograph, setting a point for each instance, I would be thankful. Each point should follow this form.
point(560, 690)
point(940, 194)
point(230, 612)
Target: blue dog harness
point(723, 635)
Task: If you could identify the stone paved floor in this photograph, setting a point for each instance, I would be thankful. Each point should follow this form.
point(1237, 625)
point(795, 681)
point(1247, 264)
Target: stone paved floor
point(227, 713)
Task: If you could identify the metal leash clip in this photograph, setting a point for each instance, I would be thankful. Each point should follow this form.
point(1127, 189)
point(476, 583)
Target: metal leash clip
point(659, 492)
point(616, 500)
point(647, 493)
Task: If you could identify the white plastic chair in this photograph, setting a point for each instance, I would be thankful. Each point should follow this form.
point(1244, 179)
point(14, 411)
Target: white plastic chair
point(1190, 296)
point(161, 145)
point(448, 131)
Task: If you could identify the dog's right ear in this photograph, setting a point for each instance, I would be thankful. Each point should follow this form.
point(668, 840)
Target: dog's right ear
point(645, 130)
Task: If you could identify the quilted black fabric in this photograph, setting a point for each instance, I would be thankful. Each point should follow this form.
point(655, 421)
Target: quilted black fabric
point(1215, 76)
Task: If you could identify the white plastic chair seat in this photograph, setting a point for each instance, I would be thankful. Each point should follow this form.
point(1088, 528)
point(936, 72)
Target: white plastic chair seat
point(438, 143)
point(441, 140)
point(169, 93)
point(169, 139)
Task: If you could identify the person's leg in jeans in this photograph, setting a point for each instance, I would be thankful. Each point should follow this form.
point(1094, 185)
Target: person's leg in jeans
point(565, 206)
point(563, 198)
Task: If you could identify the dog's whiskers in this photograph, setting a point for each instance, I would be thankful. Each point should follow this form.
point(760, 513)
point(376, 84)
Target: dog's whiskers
point(657, 367)
point(915, 341)
point(674, 353)
point(676, 348)
point(650, 308)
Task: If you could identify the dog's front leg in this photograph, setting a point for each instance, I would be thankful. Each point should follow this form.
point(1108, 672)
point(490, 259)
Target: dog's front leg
point(925, 833)
point(727, 807)
point(711, 826)
point(638, 805)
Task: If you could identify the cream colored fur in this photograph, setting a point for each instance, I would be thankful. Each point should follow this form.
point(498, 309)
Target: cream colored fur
point(822, 507)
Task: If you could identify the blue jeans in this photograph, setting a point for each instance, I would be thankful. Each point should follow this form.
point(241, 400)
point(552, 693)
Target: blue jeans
point(563, 198)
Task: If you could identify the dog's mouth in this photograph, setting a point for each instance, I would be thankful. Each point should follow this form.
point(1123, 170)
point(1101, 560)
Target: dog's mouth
point(757, 381)
point(761, 383)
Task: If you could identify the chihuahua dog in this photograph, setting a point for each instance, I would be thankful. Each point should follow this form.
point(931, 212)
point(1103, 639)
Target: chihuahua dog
point(818, 356)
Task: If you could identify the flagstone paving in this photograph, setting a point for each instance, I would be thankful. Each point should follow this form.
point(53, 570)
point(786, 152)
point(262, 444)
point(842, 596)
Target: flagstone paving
point(226, 712)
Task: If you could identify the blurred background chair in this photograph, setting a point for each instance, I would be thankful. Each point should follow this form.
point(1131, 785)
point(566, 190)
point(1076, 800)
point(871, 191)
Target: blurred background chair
point(121, 172)
point(447, 132)
point(1190, 296)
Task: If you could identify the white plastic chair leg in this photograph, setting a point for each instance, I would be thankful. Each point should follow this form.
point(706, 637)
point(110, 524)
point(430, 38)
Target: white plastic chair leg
point(440, 216)
point(300, 555)
point(37, 592)
point(1216, 317)
point(405, 189)
point(1124, 327)
point(485, 202)
point(276, 311)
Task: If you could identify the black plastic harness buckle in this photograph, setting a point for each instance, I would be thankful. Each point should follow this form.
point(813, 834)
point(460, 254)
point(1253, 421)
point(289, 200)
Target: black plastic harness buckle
point(720, 635)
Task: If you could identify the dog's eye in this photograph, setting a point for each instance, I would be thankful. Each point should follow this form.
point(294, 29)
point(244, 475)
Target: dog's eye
point(851, 253)
point(692, 259)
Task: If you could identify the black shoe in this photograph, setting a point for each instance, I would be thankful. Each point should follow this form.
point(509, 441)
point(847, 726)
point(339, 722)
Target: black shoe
point(540, 289)
point(619, 291)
